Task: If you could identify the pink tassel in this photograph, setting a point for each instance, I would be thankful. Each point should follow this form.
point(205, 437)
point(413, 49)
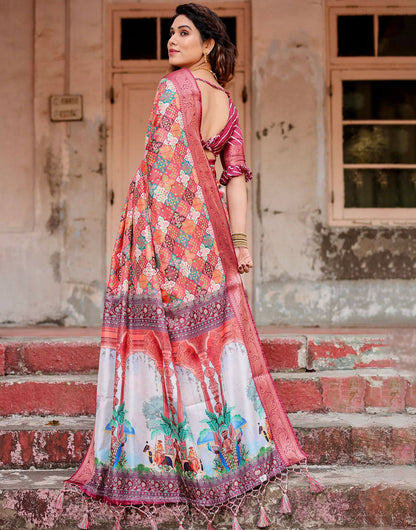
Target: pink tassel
point(210, 526)
point(117, 526)
point(85, 523)
point(153, 524)
point(285, 507)
point(59, 501)
point(180, 527)
point(263, 521)
point(315, 485)
point(236, 526)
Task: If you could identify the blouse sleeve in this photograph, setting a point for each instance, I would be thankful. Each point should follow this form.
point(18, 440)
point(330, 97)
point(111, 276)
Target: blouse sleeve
point(232, 156)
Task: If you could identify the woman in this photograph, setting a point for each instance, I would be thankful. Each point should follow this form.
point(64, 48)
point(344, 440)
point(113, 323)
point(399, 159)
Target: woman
point(187, 412)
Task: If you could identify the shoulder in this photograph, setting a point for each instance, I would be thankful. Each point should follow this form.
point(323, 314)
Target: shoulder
point(183, 81)
point(177, 82)
point(180, 75)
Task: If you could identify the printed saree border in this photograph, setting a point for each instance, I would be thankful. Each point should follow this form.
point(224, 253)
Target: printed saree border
point(282, 431)
point(188, 321)
point(163, 488)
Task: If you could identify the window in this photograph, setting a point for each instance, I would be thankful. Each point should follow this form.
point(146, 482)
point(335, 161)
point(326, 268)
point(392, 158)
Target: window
point(143, 38)
point(372, 113)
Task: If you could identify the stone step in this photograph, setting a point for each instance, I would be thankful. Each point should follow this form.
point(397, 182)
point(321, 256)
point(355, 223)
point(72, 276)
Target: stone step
point(363, 390)
point(283, 351)
point(333, 438)
point(355, 497)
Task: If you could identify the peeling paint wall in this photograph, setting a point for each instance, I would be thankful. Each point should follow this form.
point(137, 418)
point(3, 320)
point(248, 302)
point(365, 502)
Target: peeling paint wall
point(308, 273)
point(367, 253)
point(53, 263)
point(53, 177)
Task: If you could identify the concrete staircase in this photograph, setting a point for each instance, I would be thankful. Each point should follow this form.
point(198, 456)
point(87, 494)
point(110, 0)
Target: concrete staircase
point(350, 401)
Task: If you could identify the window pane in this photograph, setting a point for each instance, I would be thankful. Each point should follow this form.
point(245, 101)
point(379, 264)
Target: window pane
point(380, 100)
point(230, 24)
point(380, 144)
point(397, 35)
point(138, 38)
point(165, 24)
point(375, 188)
point(355, 35)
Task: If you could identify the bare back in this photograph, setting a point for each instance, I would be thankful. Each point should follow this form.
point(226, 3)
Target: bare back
point(215, 110)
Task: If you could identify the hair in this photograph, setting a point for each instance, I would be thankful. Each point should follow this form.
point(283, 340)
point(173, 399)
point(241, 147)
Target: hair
point(210, 26)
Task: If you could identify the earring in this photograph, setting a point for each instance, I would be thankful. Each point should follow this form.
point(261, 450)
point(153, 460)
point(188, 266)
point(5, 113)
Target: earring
point(205, 57)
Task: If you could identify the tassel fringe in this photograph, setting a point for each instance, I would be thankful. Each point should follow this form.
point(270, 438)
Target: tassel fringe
point(285, 507)
point(85, 523)
point(315, 485)
point(59, 501)
point(236, 525)
point(263, 521)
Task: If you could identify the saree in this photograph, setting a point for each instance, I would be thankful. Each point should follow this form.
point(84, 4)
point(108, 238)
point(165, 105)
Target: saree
point(187, 411)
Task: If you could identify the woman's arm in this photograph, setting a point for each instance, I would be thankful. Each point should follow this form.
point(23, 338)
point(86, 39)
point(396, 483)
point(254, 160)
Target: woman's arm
point(237, 211)
point(237, 204)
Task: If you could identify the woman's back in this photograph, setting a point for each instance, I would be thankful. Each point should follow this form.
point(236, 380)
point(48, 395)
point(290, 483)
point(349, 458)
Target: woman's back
point(215, 107)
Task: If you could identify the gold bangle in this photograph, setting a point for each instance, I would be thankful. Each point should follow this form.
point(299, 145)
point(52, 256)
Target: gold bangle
point(240, 245)
point(239, 240)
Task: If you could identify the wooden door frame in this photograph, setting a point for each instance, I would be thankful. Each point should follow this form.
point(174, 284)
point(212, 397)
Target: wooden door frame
point(240, 9)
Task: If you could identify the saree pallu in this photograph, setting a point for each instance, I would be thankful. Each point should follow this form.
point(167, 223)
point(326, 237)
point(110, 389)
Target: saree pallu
point(187, 411)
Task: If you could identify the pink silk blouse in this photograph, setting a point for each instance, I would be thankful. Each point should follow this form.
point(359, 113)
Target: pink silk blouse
point(228, 144)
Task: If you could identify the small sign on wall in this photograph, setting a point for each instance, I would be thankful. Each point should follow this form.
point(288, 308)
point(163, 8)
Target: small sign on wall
point(66, 108)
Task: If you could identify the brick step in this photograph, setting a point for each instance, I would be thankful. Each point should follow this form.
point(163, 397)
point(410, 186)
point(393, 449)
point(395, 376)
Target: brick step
point(343, 439)
point(355, 497)
point(65, 395)
point(44, 441)
point(368, 390)
point(49, 355)
point(330, 351)
point(364, 439)
point(27, 355)
point(364, 390)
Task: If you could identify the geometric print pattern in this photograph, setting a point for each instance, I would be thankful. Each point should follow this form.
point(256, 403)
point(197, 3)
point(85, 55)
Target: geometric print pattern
point(165, 245)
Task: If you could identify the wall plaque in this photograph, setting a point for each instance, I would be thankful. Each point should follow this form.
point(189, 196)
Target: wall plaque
point(66, 108)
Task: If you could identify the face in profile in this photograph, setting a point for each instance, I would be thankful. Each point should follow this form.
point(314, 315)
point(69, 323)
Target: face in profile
point(185, 46)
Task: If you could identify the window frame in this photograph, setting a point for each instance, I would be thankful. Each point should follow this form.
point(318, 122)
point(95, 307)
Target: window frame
point(163, 10)
point(359, 68)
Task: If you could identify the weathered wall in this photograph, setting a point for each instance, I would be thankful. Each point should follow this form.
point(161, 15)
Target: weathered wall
point(53, 221)
point(308, 273)
point(53, 177)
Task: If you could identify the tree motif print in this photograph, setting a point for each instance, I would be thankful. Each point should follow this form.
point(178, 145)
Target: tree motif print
point(120, 427)
point(223, 437)
point(171, 453)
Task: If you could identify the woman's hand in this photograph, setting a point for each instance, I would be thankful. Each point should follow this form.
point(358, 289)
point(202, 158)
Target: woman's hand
point(245, 263)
